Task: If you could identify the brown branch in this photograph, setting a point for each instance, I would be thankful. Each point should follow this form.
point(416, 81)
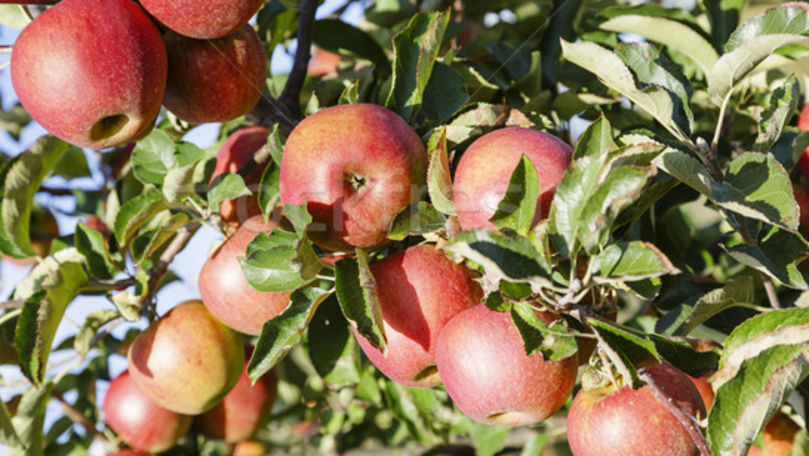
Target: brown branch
point(5, 49)
point(103, 285)
point(686, 420)
point(270, 111)
point(77, 417)
point(290, 97)
point(161, 266)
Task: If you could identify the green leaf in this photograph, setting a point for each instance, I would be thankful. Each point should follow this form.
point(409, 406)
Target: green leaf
point(488, 440)
point(336, 36)
point(13, 16)
point(789, 18)
point(73, 164)
point(415, 49)
point(737, 291)
point(686, 169)
point(776, 255)
point(444, 95)
point(90, 327)
point(8, 436)
point(92, 245)
point(630, 261)
point(153, 157)
point(299, 217)
point(16, 118)
point(225, 187)
point(764, 359)
point(268, 263)
point(24, 176)
point(439, 181)
point(284, 331)
point(416, 219)
point(552, 340)
point(356, 291)
point(162, 227)
point(29, 420)
point(269, 190)
point(135, 212)
point(400, 401)
point(517, 208)
point(179, 184)
point(783, 103)
point(351, 93)
point(724, 16)
point(333, 349)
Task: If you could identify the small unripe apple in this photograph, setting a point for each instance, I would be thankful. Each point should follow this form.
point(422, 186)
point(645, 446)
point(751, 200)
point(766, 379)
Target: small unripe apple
point(226, 292)
point(485, 169)
point(420, 290)
point(358, 166)
point(240, 146)
point(91, 72)
point(242, 410)
point(617, 422)
point(202, 19)
point(186, 361)
point(482, 362)
point(214, 80)
point(250, 448)
point(138, 421)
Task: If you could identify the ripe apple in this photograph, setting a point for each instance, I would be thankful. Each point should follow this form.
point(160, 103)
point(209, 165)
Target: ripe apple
point(606, 422)
point(705, 389)
point(481, 359)
point(358, 166)
point(484, 171)
point(140, 422)
point(214, 80)
point(202, 19)
point(323, 63)
point(225, 291)
point(420, 290)
point(250, 448)
point(779, 435)
point(242, 410)
point(803, 124)
point(187, 361)
point(802, 200)
point(129, 453)
point(91, 72)
point(236, 151)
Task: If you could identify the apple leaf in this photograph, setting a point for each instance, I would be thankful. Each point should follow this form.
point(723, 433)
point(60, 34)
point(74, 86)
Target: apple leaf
point(299, 217)
point(350, 94)
point(8, 436)
point(153, 157)
point(29, 421)
point(439, 181)
point(686, 169)
point(488, 440)
point(179, 184)
point(356, 291)
point(73, 164)
point(402, 403)
point(22, 179)
point(269, 188)
point(517, 208)
point(417, 219)
point(777, 254)
point(783, 103)
point(16, 118)
point(337, 36)
point(415, 49)
point(136, 212)
point(284, 331)
point(333, 350)
point(784, 19)
point(444, 95)
point(155, 233)
point(724, 17)
point(226, 186)
point(629, 262)
point(552, 340)
point(128, 303)
point(268, 262)
point(764, 359)
point(92, 323)
point(789, 147)
point(91, 244)
point(14, 16)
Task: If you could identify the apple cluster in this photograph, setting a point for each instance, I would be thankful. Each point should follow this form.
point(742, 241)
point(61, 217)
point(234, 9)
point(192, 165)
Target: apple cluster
point(96, 72)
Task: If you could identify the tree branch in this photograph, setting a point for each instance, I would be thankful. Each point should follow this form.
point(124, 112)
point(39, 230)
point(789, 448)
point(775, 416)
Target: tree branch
point(161, 266)
point(77, 417)
point(290, 97)
point(270, 111)
point(6, 48)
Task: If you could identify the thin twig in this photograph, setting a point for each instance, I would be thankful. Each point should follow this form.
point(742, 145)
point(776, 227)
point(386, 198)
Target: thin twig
point(769, 287)
point(5, 49)
point(161, 266)
point(270, 111)
point(688, 422)
point(12, 304)
point(77, 417)
point(103, 285)
point(290, 97)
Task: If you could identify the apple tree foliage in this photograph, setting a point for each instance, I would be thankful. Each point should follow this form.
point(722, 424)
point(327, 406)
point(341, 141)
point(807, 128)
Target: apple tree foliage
point(677, 207)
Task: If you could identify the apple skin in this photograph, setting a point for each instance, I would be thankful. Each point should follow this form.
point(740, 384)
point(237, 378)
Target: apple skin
point(91, 72)
point(202, 19)
point(803, 124)
point(323, 63)
point(225, 290)
point(240, 413)
point(705, 389)
point(420, 290)
point(240, 146)
point(250, 448)
point(129, 453)
point(358, 166)
point(485, 168)
point(214, 80)
point(779, 435)
point(482, 362)
point(802, 200)
point(609, 422)
point(187, 361)
point(140, 422)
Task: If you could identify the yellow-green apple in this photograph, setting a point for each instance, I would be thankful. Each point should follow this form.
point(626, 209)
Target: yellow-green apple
point(482, 362)
point(242, 410)
point(485, 169)
point(606, 421)
point(236, 151)
point(186, 361)
point(779, 435)
point(225, 290)
point(214, 80)
point(250, 448)
point(357, 166)
point(138, 421)
point(705, 389)
point(420, 290)
point(202, 19)
point(91, 72)
point(803, 124)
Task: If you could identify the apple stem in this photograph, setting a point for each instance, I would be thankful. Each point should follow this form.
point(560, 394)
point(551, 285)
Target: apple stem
point(769, 287)
point(6, 49)
point(78, 417)
point(292, 90)
point(686, 420)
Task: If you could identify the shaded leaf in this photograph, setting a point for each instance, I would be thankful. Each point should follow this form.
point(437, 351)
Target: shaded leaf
point(552, 340)
point(783, 103)
point(630, 261)
point(439, 181)
point(517, 208)
point(416, 219)
point(356, 290)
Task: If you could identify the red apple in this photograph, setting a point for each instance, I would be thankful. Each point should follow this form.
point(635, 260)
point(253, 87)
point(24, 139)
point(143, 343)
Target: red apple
point(91, 72)
point(214, 80)
point(420, 290)
point(705, 389)
point(202, 19)
point(187, 361)
point(129, 453)
point(236, 151)
point(138, 421)
point(225, 290)
point(358, 166)
point(241, 411)
point(323, 63)
point(755, 451)
point(250, 448)
point(802, 200)
point(803, 124)
point(779, 435)
point(609, 422)
point(481, 359)
point(484, 171)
